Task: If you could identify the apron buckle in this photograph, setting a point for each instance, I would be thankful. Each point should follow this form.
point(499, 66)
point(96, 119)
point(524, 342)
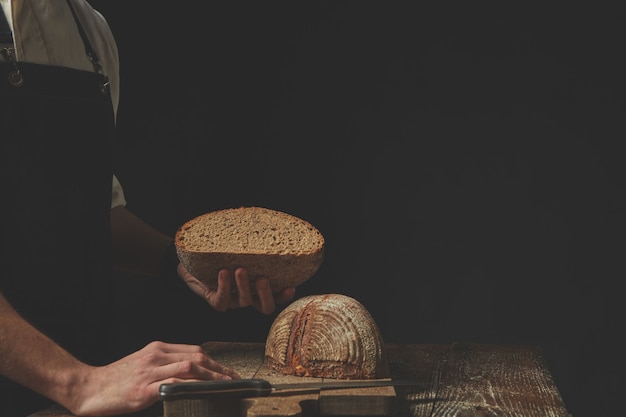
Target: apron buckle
point(104, 86)
point(16, 79)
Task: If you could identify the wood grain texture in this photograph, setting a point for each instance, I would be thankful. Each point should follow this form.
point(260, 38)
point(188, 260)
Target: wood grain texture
point(457, 379)
point(490, 381)
point(422, 363)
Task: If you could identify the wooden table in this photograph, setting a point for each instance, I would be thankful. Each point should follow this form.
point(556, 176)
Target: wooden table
point(458, 379)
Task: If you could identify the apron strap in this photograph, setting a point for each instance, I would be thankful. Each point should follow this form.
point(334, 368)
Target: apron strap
point(6, 35)
point(7, 50)
point(91, 53)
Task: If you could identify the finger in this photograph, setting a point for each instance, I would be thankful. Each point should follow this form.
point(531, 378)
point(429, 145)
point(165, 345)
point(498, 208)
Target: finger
point(160, 353)
point(243, 287)
point(285, 296)
point(266, 298)
point(220, 299)
point(186, 371)
point(175, 347)
point(215, 367)
point(193, 365)
point(176, 352)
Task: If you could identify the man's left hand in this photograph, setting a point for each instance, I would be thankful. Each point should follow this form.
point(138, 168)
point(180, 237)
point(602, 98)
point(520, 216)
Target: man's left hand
point(224, 298)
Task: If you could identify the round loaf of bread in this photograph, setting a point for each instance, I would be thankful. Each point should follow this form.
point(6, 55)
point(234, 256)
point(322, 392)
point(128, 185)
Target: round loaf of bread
point(278, 246)
point(327, 336)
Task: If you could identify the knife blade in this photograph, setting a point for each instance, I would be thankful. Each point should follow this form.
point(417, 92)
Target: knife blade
point(246, 388)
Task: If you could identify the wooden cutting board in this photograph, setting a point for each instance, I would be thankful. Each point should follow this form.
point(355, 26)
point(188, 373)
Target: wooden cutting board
point(249, 361)
point(457, 379)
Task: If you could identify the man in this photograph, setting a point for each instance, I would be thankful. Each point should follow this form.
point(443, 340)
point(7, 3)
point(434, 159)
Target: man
point(62, 208)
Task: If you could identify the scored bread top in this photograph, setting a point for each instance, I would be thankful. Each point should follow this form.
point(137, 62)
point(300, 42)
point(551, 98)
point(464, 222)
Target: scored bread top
point(254, 230)
point(326, 336)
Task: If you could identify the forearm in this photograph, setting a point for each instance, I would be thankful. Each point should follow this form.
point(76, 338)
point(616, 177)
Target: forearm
point(137, 246)
point(31, 359)
point(124, 386)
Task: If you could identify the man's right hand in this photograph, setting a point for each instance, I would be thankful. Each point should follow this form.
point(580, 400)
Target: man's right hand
point(132, 383)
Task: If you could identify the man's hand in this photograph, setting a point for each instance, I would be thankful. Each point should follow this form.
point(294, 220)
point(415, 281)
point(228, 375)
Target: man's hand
point(224, 298)
point(132, 383)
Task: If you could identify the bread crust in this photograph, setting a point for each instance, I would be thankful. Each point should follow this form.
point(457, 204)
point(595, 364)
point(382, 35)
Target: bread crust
point(269, 243)
point(326, 336)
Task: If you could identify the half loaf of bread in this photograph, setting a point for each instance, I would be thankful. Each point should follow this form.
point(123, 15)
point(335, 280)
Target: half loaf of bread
point(326, 336)
point(272, 244)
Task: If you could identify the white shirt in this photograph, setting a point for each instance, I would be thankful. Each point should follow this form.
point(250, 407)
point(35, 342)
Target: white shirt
point(41, 36)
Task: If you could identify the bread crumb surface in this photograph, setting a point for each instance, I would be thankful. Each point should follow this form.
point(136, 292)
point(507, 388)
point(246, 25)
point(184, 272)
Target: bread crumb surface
point(249, 230)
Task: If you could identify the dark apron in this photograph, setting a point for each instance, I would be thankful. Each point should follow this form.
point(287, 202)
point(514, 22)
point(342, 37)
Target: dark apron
point(56, 132)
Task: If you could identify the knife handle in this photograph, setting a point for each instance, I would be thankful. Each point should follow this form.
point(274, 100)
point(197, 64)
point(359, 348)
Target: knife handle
point(235, 388)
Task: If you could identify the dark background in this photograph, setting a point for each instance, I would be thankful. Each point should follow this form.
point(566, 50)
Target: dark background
point(464, 164)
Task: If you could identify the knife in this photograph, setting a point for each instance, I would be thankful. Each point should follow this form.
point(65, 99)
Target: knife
point(246, 388)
